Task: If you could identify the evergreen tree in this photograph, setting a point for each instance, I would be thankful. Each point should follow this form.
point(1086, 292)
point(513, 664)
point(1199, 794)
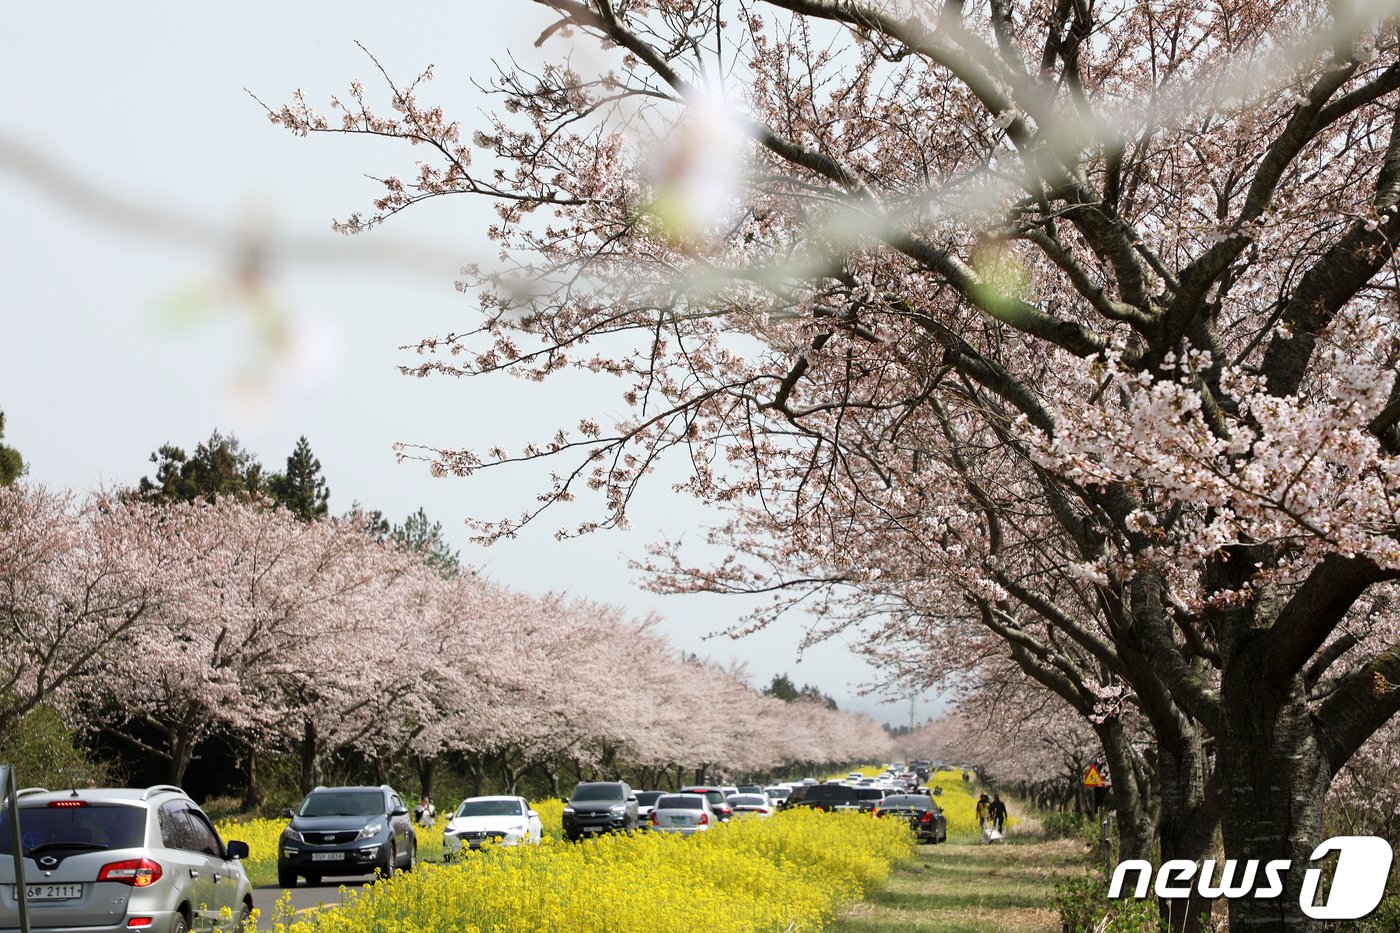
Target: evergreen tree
point(782, 688)
point(301, 489)
point(419, 534)
point(11, 466)
point(219, 467)
point(370, 521)
point(812, 693)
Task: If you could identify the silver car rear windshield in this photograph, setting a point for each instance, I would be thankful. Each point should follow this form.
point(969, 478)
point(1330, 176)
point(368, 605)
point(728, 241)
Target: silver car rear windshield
point(73, 827)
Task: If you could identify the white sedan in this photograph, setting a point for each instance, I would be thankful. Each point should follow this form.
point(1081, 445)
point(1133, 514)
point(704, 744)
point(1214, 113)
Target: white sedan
point(502, 821)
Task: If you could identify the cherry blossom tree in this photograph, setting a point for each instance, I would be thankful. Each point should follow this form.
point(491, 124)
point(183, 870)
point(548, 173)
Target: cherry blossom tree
point(278, 621)
point(1110, 284)
point(77, 576)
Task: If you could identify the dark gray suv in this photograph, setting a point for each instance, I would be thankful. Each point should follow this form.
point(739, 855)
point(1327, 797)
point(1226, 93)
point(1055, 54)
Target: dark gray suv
point(119, 859)
point(600, 807)
point(346, 831)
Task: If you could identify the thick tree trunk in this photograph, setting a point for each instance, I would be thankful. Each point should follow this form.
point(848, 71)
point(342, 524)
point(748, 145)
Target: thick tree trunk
point(253, 796)
point(308, 757)
point(550, 771)
point(426, 767)
point(1271, 805)
point(478, 773)
point(1186, 826)
point(1132, 804)
point(180, 754)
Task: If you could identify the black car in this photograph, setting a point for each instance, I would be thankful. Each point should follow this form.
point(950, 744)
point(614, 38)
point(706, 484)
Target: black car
point(346, 831)
point(600, 807)
point(835, 797)
point(925, 817)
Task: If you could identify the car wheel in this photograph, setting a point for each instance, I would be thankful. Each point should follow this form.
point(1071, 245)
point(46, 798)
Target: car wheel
point(412, 858)
point(387, 869)
point(286, 878)
point(181, 924)
point(245, 918)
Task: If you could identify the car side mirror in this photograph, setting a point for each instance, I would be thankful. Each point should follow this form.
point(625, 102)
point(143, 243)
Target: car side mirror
point(632, 799)
point(399, 811)
point(237, 850)
point(533, 815)
point(287, 813)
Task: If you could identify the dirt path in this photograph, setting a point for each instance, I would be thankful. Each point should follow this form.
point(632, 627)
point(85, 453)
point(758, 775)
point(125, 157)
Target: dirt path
point(966, 888)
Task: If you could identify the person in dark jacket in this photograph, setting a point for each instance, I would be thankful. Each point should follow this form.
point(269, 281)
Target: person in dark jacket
point(998, 813)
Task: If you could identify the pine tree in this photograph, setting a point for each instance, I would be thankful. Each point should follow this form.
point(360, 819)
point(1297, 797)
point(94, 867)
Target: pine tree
point(301, 489)
point(418, 533)
point(11, 465)
point(219, 467)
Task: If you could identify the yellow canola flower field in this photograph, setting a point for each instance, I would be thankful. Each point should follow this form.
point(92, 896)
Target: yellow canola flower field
point(788, 873)
point(551, 811)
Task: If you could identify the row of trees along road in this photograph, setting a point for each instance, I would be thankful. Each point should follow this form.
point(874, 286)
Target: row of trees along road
point(195, 606)
point(1061, 330)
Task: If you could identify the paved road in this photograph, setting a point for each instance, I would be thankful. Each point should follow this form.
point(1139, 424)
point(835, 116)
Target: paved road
point(304, 897)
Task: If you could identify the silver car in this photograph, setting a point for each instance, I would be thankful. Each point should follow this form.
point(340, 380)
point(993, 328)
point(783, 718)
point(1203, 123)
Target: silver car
point(686, 814)
point(121, 859)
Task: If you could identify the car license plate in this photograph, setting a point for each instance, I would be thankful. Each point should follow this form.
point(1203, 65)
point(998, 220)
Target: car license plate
point(679, 821)
point(327, 856)
point(50, 892)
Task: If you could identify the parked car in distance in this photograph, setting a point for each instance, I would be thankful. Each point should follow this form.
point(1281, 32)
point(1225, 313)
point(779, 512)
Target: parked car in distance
point(686, 814)
point(925, 817)
point(748, 789)
point(646, 799)
point(719, 802)
point(835, 796)
point(502, 821)
point(346, 831)
point(600, 807)
point(779, 795)
point(122, 858)
point(855, 776)
point(751, 805)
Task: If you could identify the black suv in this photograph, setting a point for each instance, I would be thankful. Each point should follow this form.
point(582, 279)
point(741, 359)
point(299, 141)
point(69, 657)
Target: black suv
point(600, 807)
point(346, 831)
point(835, 797)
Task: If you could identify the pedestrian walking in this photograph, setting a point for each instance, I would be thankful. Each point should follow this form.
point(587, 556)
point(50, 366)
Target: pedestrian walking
point(984, 811)
point(997, 811)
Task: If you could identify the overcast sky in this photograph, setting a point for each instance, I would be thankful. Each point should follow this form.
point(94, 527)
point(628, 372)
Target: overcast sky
point(133, 164)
